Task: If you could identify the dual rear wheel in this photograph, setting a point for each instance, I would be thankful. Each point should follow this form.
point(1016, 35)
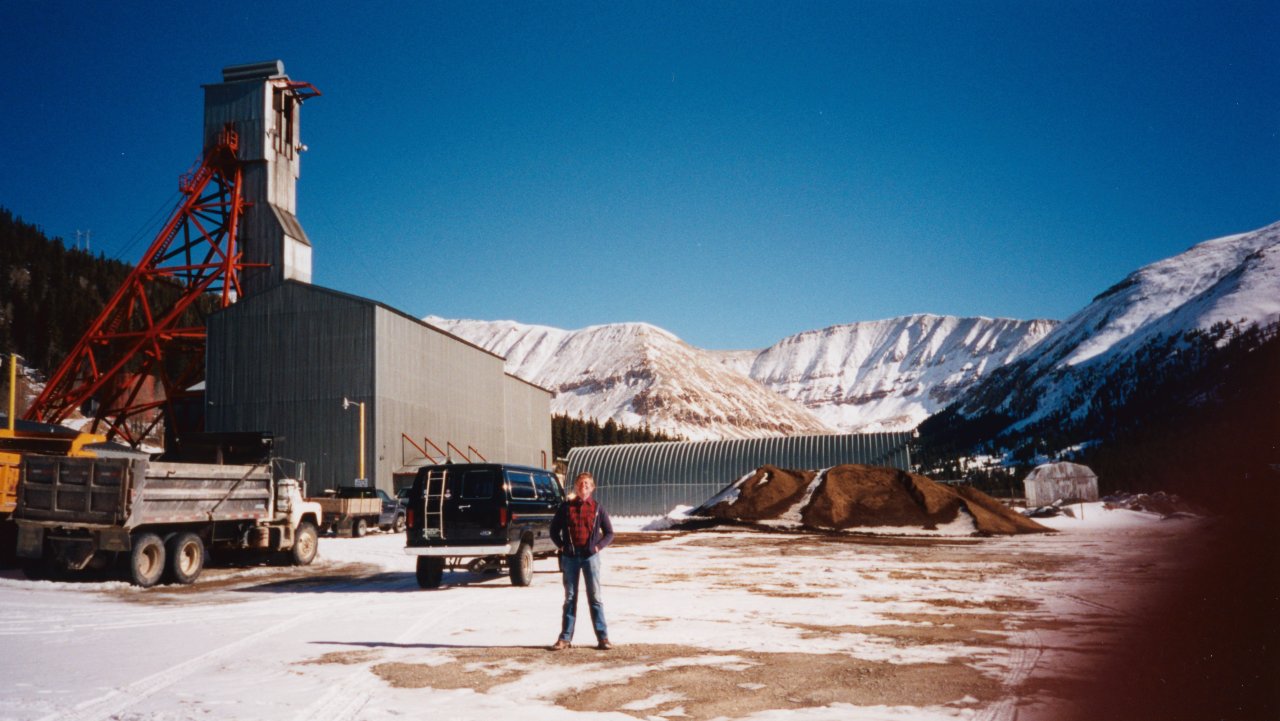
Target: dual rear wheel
point(180, 560)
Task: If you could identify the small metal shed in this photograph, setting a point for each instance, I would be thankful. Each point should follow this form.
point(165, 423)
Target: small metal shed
point(1062, 481)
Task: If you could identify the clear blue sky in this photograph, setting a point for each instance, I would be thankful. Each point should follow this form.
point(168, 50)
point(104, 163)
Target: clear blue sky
point(733, 172)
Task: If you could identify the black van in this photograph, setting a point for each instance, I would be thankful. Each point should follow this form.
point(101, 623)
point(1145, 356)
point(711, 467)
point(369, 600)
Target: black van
point(481, 517)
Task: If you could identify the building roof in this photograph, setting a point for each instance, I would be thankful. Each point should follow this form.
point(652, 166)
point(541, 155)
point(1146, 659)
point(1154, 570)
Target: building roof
point(311, 287)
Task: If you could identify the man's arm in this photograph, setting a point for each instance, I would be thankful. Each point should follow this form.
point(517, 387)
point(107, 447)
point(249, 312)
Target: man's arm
point(606, 530)
point(557, 527)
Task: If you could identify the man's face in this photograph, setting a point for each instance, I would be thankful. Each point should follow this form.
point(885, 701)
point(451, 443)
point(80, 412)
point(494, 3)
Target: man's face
point(585, 486)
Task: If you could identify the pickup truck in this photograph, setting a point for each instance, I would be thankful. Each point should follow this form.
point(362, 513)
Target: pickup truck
point(356, 509)
point(160, 518)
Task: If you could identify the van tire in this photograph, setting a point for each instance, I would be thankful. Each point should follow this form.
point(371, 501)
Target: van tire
point(358, 528)
point(185, 554)
point(520, 566)
point(146, 560)
point(430, 571)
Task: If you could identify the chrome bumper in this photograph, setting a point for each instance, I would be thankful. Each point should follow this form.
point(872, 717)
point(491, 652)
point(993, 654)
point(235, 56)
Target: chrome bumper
point(462, 551)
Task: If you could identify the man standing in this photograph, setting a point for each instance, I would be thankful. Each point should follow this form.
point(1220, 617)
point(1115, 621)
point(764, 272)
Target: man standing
point(581, 530)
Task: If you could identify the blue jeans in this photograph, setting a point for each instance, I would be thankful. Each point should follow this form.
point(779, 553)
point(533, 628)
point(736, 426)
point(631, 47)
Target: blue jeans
point(589, 567)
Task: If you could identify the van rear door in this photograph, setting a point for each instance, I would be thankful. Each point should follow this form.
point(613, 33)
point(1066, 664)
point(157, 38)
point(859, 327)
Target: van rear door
point(472, 510)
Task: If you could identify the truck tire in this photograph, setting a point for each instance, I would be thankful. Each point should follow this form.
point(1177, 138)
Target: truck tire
point(185, 553)
point(359, 528)
point(397, 526)
point(306, 542)
point(520, 566)
point(430, 571)
point(146, 560)
point(36, 569)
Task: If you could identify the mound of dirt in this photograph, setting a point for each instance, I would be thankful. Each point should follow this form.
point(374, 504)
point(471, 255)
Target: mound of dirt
point(854, 497)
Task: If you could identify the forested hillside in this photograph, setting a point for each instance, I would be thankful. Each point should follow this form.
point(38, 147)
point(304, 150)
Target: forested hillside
point(48, 293)
point(568, 432)
point(1195, 412)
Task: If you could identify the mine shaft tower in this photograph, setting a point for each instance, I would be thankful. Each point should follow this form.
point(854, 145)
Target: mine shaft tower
point(234, 233)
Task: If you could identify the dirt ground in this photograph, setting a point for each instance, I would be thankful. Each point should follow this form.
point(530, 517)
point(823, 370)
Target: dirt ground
point(662, 679)
point(648, 680)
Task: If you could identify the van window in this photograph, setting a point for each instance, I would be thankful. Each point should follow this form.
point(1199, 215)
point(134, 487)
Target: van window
point(478, 485)
point(546, 487)
point(522, 488)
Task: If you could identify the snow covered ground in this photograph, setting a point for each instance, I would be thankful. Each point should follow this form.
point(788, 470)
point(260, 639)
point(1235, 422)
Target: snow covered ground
point(707, 624)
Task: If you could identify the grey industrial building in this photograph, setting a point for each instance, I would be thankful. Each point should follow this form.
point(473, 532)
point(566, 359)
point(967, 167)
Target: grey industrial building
point(285, 356)
point(646, 479)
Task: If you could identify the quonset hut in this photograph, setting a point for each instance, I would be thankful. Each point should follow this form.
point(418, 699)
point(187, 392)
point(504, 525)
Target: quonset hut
point(645, 479)
point(1062, 481)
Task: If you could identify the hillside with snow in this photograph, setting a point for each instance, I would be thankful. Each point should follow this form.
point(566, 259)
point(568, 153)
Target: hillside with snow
point(889, 375)
point(1232, 279)
point(881, 375)
point(636, 373)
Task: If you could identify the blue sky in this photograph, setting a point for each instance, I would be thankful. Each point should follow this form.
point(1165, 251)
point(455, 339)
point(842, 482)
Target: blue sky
point(732, 172)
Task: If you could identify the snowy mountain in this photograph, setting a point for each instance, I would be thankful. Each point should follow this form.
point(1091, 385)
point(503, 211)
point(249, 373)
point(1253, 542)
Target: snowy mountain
point(1233, 279)
point(636, 373)
point(889, 375)
point(882, 375)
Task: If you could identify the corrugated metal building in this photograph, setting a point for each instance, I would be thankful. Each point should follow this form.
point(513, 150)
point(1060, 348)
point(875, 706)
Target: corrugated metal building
point(264, 106)
point(644, 479)
point(1061, 481)
point(283, 360)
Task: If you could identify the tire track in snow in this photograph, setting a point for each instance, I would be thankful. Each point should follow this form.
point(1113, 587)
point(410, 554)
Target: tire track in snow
point(111, 704)
point(1026, 654)
point(346, 699)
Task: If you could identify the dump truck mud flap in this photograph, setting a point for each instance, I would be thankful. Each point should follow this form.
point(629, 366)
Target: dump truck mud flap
point(30, 541)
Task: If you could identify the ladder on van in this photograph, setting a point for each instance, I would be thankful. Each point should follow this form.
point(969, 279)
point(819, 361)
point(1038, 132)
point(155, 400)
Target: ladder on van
point(433, 502)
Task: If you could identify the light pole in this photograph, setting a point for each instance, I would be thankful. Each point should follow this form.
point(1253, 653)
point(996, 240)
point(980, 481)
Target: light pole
point(346, 405)
point(13, 390)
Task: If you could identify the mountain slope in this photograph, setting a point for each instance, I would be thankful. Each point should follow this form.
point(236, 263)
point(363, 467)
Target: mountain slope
point(636, 374)
point(1231, 279)
point(881, 375)
point(890, 374)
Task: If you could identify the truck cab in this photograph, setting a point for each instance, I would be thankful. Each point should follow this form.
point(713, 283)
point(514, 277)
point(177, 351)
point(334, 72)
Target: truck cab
point(481, 516)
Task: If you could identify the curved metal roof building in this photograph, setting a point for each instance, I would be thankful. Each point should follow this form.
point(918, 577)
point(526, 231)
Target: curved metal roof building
point(645, 479)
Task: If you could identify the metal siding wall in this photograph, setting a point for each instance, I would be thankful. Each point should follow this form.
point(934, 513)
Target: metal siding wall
point(281, 362)
point(245, 104)
point(430, 384)
point(527, 416)
point(653, 478)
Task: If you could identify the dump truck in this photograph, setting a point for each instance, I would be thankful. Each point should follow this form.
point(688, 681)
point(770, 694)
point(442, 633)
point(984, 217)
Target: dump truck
point(14, 444)
point(159, 518)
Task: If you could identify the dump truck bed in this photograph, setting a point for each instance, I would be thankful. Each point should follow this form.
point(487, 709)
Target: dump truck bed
point(132, 493)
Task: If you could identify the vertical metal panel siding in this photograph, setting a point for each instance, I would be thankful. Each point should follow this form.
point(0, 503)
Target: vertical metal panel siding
point(281, 362)
point(527, 413)
point(653, 478)
point(429, 384)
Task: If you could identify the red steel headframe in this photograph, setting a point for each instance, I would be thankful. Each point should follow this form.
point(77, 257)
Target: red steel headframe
point(150, 328)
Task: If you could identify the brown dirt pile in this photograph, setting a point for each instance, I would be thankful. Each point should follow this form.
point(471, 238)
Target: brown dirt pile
point(850, 497)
